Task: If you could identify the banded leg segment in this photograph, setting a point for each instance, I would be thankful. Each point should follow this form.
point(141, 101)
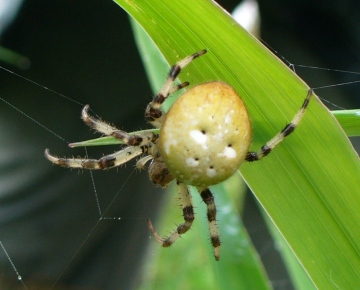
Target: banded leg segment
point(113, 160)
point(140, 139)
point(289, 128)
point(188, 214)
point(208, 199)
point(153, 112)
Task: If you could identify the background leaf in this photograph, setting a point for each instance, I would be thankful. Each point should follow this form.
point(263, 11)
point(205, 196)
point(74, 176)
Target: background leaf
point(349, 120)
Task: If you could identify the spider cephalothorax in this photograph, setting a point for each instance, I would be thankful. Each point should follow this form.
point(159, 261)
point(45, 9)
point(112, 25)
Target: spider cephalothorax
point(203, 140)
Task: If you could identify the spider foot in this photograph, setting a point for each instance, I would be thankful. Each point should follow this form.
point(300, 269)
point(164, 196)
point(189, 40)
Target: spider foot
point(164, 242)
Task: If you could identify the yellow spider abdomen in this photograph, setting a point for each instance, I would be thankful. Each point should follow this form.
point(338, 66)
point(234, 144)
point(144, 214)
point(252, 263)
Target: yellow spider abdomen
point(206, 135)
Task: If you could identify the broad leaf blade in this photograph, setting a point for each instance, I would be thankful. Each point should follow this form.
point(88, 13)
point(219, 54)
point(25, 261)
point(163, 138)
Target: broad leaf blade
point(309, 185)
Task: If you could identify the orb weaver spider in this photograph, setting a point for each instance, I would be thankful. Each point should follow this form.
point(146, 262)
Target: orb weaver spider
point(203, 140)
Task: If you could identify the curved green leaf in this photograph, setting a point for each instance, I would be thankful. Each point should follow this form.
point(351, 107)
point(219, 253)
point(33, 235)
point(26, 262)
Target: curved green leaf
point(309, 185)
point(349, 121)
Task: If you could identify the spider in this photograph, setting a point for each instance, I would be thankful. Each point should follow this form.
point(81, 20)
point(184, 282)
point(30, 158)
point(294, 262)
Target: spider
point(203, 140)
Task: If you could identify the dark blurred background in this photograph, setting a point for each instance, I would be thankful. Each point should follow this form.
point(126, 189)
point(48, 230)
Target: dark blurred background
point(86, 51)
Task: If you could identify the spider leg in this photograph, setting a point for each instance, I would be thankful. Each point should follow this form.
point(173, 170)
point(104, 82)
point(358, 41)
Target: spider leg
point(289, 128)
point(108, 161)
point(208, 199)
point(139, 139)
point(188, 214)
point(153, 112)
point(141, 163)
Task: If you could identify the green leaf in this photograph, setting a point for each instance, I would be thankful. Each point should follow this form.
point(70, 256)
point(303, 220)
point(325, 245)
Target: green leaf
point(107, 140)
point(300, 279)
point(13, 58)
point(349, 121)
point(198, 267)
point(309, 185)
point(191, 257)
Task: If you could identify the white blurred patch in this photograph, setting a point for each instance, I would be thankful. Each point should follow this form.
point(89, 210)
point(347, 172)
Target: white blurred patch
point(8, 10)
point(248, 16)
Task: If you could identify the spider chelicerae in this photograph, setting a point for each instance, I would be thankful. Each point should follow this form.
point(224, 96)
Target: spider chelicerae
point(203, 140)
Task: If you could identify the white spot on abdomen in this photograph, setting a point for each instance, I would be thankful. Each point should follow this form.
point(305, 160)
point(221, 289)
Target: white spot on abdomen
point(211, 172)
point(227, 119)
point(228, 152)
point(192, 162)
point(199, 138)
point(168, 144)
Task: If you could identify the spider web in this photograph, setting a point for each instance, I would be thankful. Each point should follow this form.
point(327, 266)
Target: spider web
point(101, 191)
point(91, 222)
point(102, 197)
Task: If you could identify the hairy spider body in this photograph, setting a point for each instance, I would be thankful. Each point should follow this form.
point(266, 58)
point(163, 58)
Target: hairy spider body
point(203, 140)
